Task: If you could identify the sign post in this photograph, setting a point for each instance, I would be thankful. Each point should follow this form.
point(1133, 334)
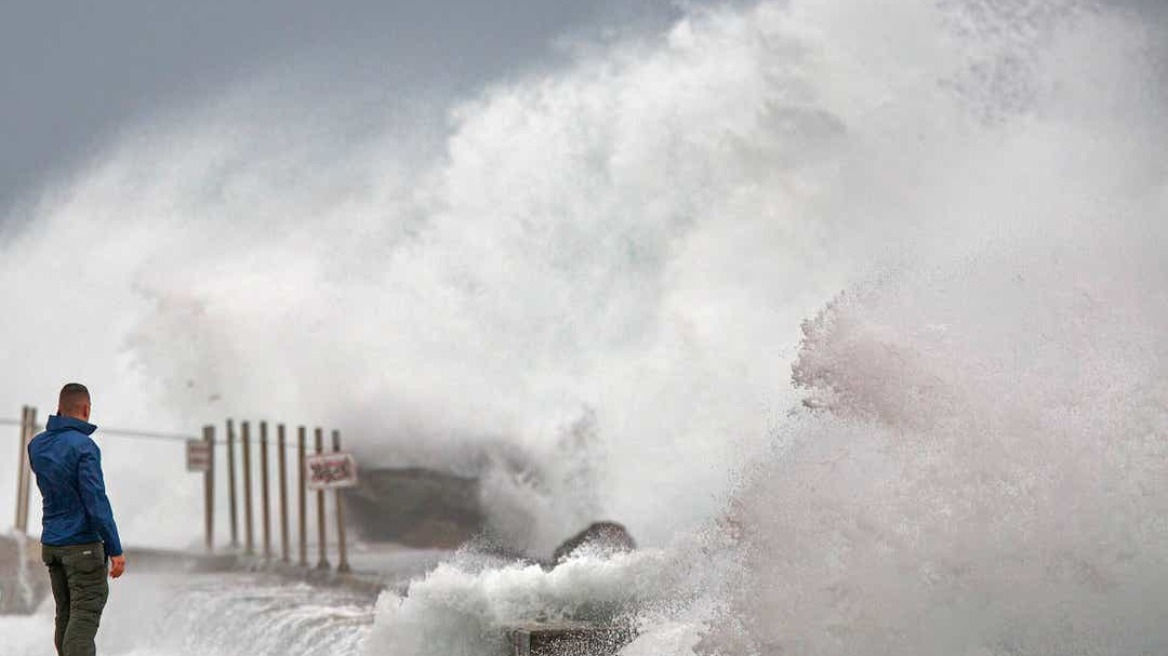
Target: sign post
point(334, 471)
point(201, 458)
point(348, 474)
point(209, 487)
point(321, 527)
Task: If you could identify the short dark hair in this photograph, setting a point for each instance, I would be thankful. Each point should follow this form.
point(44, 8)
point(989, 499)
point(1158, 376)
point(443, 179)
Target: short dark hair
point(73, 396)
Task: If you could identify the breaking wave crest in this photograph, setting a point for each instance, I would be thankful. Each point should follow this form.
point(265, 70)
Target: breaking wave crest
point(599, 272)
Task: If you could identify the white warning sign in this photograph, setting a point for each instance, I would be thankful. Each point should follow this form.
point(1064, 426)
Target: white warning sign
point(327, 471)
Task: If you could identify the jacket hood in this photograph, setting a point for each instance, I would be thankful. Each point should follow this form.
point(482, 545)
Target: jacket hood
point(58, 423)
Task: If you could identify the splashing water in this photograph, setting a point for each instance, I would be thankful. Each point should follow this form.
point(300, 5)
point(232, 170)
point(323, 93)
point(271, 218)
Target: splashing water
point(221, 615)
point(630, 244)
point(974, 487)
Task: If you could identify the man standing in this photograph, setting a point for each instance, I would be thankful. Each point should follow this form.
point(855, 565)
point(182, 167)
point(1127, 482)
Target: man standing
point(78, 533)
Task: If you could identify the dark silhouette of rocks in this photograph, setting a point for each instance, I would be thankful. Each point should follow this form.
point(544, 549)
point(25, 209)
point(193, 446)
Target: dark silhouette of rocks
point(415, 507)
point(605, 537)
point(428, 509)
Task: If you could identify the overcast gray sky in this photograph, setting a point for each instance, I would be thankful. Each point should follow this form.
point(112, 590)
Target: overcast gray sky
point(74, 71)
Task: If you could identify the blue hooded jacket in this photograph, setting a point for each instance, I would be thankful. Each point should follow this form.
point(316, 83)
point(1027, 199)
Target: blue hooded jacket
point(67, 464)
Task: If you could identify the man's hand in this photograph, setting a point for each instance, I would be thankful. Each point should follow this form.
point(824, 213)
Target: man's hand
point(117, 566)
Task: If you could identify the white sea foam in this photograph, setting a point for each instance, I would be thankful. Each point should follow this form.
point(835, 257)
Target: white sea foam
point(465, 607)
point(173, 615)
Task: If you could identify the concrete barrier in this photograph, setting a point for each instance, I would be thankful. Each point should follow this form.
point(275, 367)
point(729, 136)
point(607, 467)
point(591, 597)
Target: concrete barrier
point(567, 637)
point(24, 581)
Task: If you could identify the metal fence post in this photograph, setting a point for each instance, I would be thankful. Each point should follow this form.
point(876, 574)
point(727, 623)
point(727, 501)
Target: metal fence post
point(343, 554)
point(231, 501)
point(248, 534)
point(302, 493)
point(321, 524)
point(281, 445)
point(265, 498)
point(209, 487)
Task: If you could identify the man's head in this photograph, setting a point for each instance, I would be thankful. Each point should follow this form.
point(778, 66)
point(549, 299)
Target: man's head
point(74, 402)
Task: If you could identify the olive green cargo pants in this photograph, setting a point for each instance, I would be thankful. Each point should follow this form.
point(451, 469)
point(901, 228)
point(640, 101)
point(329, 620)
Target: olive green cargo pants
point(80, 588)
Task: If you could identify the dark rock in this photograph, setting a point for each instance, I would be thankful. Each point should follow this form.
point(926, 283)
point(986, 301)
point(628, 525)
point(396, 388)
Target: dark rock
point(415, 507)
point(607, 537)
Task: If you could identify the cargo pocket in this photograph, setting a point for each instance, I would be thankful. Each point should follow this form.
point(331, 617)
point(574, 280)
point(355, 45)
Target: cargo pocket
point(88, 584)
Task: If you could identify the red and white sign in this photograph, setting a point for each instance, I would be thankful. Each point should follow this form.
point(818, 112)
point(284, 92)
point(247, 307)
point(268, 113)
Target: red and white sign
point(198, 455)
point(327, 471)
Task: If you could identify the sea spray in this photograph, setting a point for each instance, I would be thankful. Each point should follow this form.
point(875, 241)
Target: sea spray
point(977, 475)
point(464, 607)
point(622, 235)
point(224, 614)
point(641, 232)
point(152, 614)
